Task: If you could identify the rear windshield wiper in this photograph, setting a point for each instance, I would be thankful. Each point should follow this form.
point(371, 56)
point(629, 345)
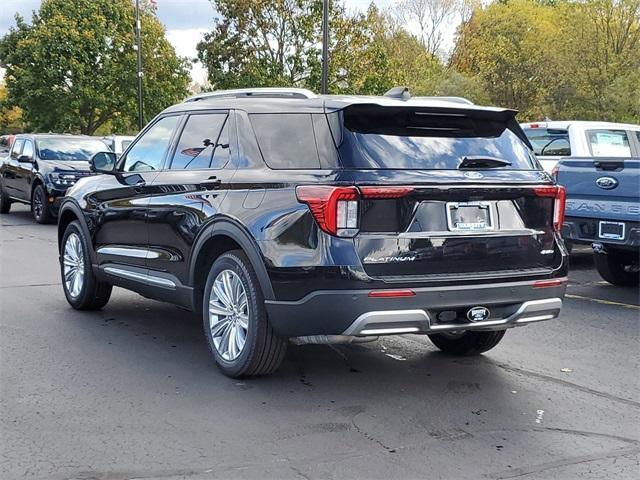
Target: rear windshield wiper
point(482, 162)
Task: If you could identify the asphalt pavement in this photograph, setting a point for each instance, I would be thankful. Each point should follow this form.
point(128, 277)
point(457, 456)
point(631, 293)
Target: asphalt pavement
point(131, 392)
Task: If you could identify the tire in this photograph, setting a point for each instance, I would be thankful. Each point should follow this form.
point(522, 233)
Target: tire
point(224, 327)
point(89, 294)
point(467, 342)
point(611, 268)
point(5, 202)
point(40, 208)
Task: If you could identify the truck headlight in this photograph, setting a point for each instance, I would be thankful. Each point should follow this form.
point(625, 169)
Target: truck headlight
point(63, 179)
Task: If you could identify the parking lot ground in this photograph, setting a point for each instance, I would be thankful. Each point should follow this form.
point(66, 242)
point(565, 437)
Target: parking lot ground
point(130, 392)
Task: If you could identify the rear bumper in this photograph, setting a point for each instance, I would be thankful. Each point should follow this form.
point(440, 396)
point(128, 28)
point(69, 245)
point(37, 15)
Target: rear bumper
point(582, 230)
point(430, 310)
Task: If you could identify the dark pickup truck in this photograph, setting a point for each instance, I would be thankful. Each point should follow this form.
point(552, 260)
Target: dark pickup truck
point(603, 210)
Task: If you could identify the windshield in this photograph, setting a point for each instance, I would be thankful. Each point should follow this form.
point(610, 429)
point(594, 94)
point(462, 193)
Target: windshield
point(426, 141)
point(549, 142)
point(69, 149)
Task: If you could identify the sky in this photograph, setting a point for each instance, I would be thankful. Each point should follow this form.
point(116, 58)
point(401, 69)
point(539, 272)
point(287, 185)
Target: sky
point(185, 20)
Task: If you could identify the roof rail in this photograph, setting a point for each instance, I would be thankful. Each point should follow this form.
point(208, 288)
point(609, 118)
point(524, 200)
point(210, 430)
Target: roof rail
point(401, 93)
point(275, 92)
point(449, 99)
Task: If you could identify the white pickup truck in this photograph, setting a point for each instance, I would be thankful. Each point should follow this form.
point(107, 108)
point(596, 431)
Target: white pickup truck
point(553, 141)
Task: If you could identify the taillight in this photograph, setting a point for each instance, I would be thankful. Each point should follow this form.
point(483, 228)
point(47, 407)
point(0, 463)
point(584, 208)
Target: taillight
point(385, 192)
point(334, 208)
point(559, 194)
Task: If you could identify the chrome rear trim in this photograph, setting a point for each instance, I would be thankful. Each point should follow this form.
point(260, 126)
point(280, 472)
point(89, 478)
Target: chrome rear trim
point(418, 321)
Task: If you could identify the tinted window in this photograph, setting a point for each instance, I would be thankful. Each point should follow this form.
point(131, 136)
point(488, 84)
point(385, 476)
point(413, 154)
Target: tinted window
point(68, 149)
point(149, 151)
point(199, 142)
point(403, 138)
point(222, 152)
point(609, 143)
point(286, 140)
point(27, 149)
point(552, 141)
point(17, 146)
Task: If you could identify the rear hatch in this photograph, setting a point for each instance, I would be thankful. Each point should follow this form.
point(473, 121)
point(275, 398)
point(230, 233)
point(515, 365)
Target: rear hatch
point(447, 193)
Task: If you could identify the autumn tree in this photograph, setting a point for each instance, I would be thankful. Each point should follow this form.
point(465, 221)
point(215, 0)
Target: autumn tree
point(73, 68)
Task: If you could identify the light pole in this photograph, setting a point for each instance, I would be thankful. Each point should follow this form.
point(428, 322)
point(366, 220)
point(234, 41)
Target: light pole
point(139, 67)
point(325, 47)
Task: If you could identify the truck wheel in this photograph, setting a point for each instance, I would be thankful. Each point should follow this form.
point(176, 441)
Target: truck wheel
point(466, 342)
point(611, 267)
point(5, 202)
point(235, 321)
point(82, 289)
point(40, 206)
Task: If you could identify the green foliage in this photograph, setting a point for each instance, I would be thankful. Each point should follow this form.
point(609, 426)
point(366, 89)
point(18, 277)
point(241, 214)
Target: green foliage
point(560, 59)
point(73, 68)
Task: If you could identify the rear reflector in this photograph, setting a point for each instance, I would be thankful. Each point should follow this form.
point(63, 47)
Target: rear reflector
point(547, 283)
point(391, 293)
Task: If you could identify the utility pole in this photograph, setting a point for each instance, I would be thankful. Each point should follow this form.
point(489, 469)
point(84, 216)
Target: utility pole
point(139, 67)
point(324, 89)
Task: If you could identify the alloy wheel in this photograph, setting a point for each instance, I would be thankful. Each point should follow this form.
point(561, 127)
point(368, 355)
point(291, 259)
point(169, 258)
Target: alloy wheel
point(38, 204)
point(73, 265)
point(228, 315)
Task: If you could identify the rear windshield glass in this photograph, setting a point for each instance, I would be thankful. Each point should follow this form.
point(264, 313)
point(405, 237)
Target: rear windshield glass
point(403, 138)
point(69, 149)
point(549, 141)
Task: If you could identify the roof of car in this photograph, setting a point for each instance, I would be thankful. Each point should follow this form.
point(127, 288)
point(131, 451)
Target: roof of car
point(320, 103)
point(564, 124)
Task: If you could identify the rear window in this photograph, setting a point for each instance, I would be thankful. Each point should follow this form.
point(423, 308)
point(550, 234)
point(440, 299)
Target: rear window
point(549, 142)
point(608, 143)
point(404, 138)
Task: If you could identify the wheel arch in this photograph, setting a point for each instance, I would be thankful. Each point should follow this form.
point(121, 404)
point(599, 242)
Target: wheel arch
point(223, 236)
point(70, 211)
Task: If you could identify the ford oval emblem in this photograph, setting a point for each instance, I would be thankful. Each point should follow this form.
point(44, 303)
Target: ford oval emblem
point(478, 314)
point(474, 175)
point(607, 183)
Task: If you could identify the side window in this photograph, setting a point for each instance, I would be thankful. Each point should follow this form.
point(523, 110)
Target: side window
point(149, 151)
point(199, 142)
point(17, 148)
point(609, 143)
point(286, 140)
point(27, 149)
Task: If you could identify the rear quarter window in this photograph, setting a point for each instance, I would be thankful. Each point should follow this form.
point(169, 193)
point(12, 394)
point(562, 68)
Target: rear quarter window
point(286, 140)
point(608, 143)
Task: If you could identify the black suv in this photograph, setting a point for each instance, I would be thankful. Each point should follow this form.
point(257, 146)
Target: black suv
point(282, 214)
point(41, 167)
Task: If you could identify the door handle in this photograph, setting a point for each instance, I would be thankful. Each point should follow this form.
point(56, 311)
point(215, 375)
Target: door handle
point(211, 183)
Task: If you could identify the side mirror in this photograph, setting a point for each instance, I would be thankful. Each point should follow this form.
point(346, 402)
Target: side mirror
point(103, 162)
point(25, 159)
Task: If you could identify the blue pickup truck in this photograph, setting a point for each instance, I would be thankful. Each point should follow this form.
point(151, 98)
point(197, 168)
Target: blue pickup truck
point(603, 210)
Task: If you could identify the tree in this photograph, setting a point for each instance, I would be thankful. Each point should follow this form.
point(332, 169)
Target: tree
point(433, 18)
point(278, 43)
point(10, 117)
point(263, 43)
point(73, 68)
point(561, 59)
